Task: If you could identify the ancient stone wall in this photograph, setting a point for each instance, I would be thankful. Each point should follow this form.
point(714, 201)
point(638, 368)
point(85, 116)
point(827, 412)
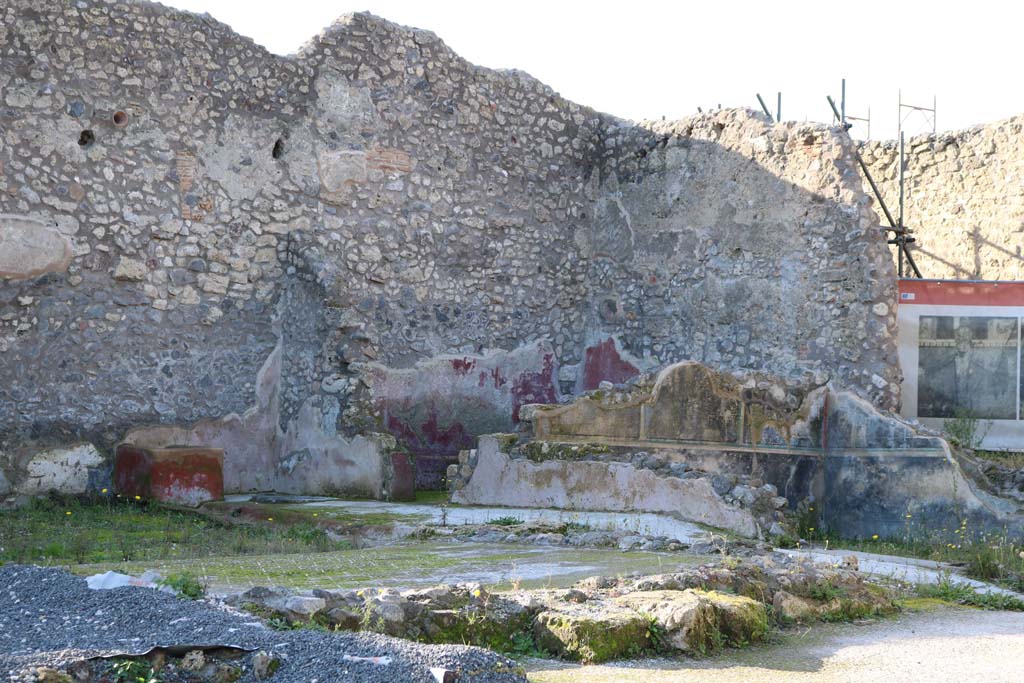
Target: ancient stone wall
point(963, 199)
point(744, 245)
point(217, 197)
point(200, 235)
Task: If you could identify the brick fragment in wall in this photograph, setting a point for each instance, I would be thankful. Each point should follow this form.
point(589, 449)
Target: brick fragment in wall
point(389, 160)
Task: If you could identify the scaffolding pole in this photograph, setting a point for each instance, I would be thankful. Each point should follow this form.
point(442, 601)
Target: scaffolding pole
point(900, 239)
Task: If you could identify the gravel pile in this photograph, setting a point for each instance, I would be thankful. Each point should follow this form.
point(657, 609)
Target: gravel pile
point(50, 618)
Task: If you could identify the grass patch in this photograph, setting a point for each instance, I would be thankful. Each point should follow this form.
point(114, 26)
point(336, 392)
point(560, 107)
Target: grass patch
point(431, 497)
point(185, 583)
point(987, 557)
point(506, 521)
point(919, 604)
point(827, 591)
point(1011, 459)
point(70, 531)
point(965, 595)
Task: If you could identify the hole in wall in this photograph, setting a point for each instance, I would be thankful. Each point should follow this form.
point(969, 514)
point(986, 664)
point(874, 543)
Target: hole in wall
point(86, 138)
point(120, 119)
point(278, 150)
point(608, 309)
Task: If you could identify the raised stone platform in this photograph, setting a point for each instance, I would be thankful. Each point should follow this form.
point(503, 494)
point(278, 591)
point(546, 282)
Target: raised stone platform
point(831, 457)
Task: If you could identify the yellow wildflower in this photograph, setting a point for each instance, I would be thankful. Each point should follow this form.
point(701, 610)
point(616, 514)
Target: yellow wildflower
point(874, 537)
point(68, 512)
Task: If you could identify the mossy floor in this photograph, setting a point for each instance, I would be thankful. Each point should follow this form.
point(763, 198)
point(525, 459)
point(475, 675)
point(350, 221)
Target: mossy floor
point(498, 566)
point(336, 517)
point(286, 545)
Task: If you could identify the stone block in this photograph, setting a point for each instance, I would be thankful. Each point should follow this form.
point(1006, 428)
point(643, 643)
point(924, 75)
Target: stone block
point(181, 475)
point(130, 270)
point(29, 247)
point(592, 634)
point(386, 159)
point(688, 620)
point(61, 470)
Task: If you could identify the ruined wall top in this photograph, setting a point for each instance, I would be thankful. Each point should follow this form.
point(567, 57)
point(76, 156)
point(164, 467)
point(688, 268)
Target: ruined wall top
point(963, 198)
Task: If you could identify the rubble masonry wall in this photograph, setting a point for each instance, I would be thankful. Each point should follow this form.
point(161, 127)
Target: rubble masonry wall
point(193, 229)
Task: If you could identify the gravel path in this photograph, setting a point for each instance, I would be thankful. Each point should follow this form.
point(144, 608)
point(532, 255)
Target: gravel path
point(51, 618)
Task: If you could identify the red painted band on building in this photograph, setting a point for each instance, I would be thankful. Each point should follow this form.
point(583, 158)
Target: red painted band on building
point(960, 293)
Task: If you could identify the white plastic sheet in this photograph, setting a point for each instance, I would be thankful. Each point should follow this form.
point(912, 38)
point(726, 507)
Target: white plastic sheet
point(112, 579)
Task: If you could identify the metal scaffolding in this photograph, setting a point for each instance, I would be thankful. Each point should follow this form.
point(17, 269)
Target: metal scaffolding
point(908, 110)
point(901, 237)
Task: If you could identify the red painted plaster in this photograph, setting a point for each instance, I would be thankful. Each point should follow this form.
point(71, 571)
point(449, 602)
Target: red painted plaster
point(603, 363)
point(534, 387)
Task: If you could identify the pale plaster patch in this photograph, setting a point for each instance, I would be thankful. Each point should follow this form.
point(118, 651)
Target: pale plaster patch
point(61, 470)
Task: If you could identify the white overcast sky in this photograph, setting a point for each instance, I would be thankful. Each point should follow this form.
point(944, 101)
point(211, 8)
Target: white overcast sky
point(645, 59)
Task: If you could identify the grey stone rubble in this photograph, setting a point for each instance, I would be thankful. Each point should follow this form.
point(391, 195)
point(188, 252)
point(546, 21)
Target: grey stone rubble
point(1008, 481)
point(50, 618)
point(737, 595)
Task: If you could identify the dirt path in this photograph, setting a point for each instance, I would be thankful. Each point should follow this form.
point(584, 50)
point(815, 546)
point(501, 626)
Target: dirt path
point(945, 644)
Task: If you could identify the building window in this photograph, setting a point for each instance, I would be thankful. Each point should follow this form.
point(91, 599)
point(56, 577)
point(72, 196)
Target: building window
point(968, 366)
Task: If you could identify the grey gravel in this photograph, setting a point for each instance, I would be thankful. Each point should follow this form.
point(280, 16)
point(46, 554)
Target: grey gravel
point(51, 618)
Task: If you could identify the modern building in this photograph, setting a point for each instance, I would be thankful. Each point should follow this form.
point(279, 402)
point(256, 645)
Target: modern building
point(959, 348)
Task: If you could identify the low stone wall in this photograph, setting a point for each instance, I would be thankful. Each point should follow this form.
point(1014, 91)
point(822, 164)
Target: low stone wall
point(581, 485)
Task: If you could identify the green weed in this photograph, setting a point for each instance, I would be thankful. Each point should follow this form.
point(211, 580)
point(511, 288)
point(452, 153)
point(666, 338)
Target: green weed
point(965, 429)
point(73, 531)
point(133, 671)
point(965, 595)
point(186, 585)
point(506, 521)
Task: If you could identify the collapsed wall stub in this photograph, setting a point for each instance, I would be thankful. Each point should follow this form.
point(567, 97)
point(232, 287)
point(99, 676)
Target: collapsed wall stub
point(701, 444)
point(267, 254)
